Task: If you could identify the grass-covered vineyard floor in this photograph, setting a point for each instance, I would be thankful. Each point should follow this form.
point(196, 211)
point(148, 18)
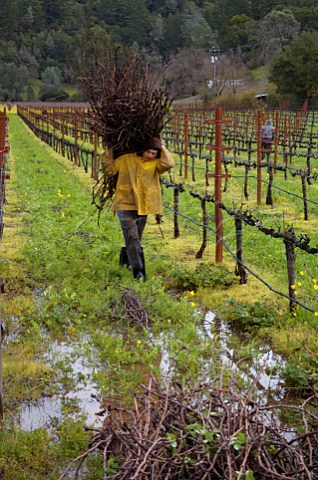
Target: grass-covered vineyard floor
point(63, 285)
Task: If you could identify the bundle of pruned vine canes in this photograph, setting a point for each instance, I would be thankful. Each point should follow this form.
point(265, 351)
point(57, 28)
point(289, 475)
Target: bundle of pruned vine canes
point(129, 104)
point(206, 432)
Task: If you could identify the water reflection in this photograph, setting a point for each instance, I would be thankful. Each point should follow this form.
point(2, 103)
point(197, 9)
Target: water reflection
point(262, 367)
point(48, 411)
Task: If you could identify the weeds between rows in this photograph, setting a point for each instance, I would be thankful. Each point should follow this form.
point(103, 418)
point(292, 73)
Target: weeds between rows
point(70, 267)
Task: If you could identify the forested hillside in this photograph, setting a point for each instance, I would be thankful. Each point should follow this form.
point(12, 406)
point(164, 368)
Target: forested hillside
point(42, 41)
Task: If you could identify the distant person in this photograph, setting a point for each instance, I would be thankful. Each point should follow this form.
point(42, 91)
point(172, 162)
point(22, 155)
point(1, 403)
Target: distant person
point(267, 135)
point(138, 194)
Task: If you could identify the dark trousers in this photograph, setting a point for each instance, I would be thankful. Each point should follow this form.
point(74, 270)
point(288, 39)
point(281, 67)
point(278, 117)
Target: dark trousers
point(266, 148)
point(133, 226)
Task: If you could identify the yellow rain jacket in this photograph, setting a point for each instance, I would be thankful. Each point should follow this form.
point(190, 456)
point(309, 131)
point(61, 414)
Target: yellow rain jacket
point(138, 185)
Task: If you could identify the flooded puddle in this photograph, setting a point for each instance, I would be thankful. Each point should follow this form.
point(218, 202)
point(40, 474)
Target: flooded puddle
point(49, 411)
point(263, 367)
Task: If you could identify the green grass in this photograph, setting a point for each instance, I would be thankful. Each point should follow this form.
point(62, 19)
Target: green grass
point(36, 85)
point(63, 282)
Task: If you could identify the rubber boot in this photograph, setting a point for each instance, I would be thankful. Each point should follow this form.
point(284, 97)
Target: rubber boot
point(123, 258)
point(140, 274)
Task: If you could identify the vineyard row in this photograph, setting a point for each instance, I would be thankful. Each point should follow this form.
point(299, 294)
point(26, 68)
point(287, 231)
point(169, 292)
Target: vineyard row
point(4, 174)
point(80, 157)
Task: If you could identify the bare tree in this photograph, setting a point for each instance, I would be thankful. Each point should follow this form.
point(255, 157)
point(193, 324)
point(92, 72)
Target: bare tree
point(228, 73)
point(188, 72)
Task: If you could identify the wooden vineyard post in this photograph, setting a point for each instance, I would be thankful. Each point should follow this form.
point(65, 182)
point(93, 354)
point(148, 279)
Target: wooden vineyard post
point(239, 269)
point(192, 156)
point(234, 135)
point(203, 201)
point(290, 257)
point(54, 122)
point(218, 147)
point(259, 157)
point(63, 134)
point(269, 194)
point(276, 140)
point(285, 148)
point(177, 189)
point(2, 333)
point(75, 135)
point(305, 200)
point(47, 112)
point(176, 211)
point(42, 125)
point(309, 156)
point(199, 253)
point(95, 168)
point(186, 141)
point(3, 174)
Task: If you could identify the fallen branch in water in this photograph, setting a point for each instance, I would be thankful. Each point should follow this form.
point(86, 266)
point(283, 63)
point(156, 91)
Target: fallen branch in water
point(207, 432)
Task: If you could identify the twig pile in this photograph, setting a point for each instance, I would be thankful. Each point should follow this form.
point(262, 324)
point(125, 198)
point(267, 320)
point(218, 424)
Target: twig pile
point(128, 106)
point(206, 433)
point(130, 308)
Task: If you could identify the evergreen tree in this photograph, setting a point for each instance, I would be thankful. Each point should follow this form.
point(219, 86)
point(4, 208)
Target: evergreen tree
point(57, 11)
point(210, 14)
point(157, 33)
point(260, 8)
point(173, 34)
point(9, 15)
point(131, 16)
point(8, 52)
point(307, 17)
point(136, 21)
point(52, 83)
point(13, 81)
point(48, 33)
point(31, 15)
point(295, 71)
point(230, 8)
point(277, 30)
point(195, 30)
point(237, 31)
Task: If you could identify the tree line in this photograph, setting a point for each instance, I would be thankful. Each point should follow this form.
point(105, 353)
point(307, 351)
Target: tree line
point(209, 46)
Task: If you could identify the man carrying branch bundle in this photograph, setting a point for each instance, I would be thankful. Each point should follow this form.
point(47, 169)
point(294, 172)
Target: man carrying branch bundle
point(137, 194)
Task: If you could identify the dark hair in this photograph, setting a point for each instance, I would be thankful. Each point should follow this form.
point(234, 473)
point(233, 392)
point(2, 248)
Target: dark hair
point(152, 143)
